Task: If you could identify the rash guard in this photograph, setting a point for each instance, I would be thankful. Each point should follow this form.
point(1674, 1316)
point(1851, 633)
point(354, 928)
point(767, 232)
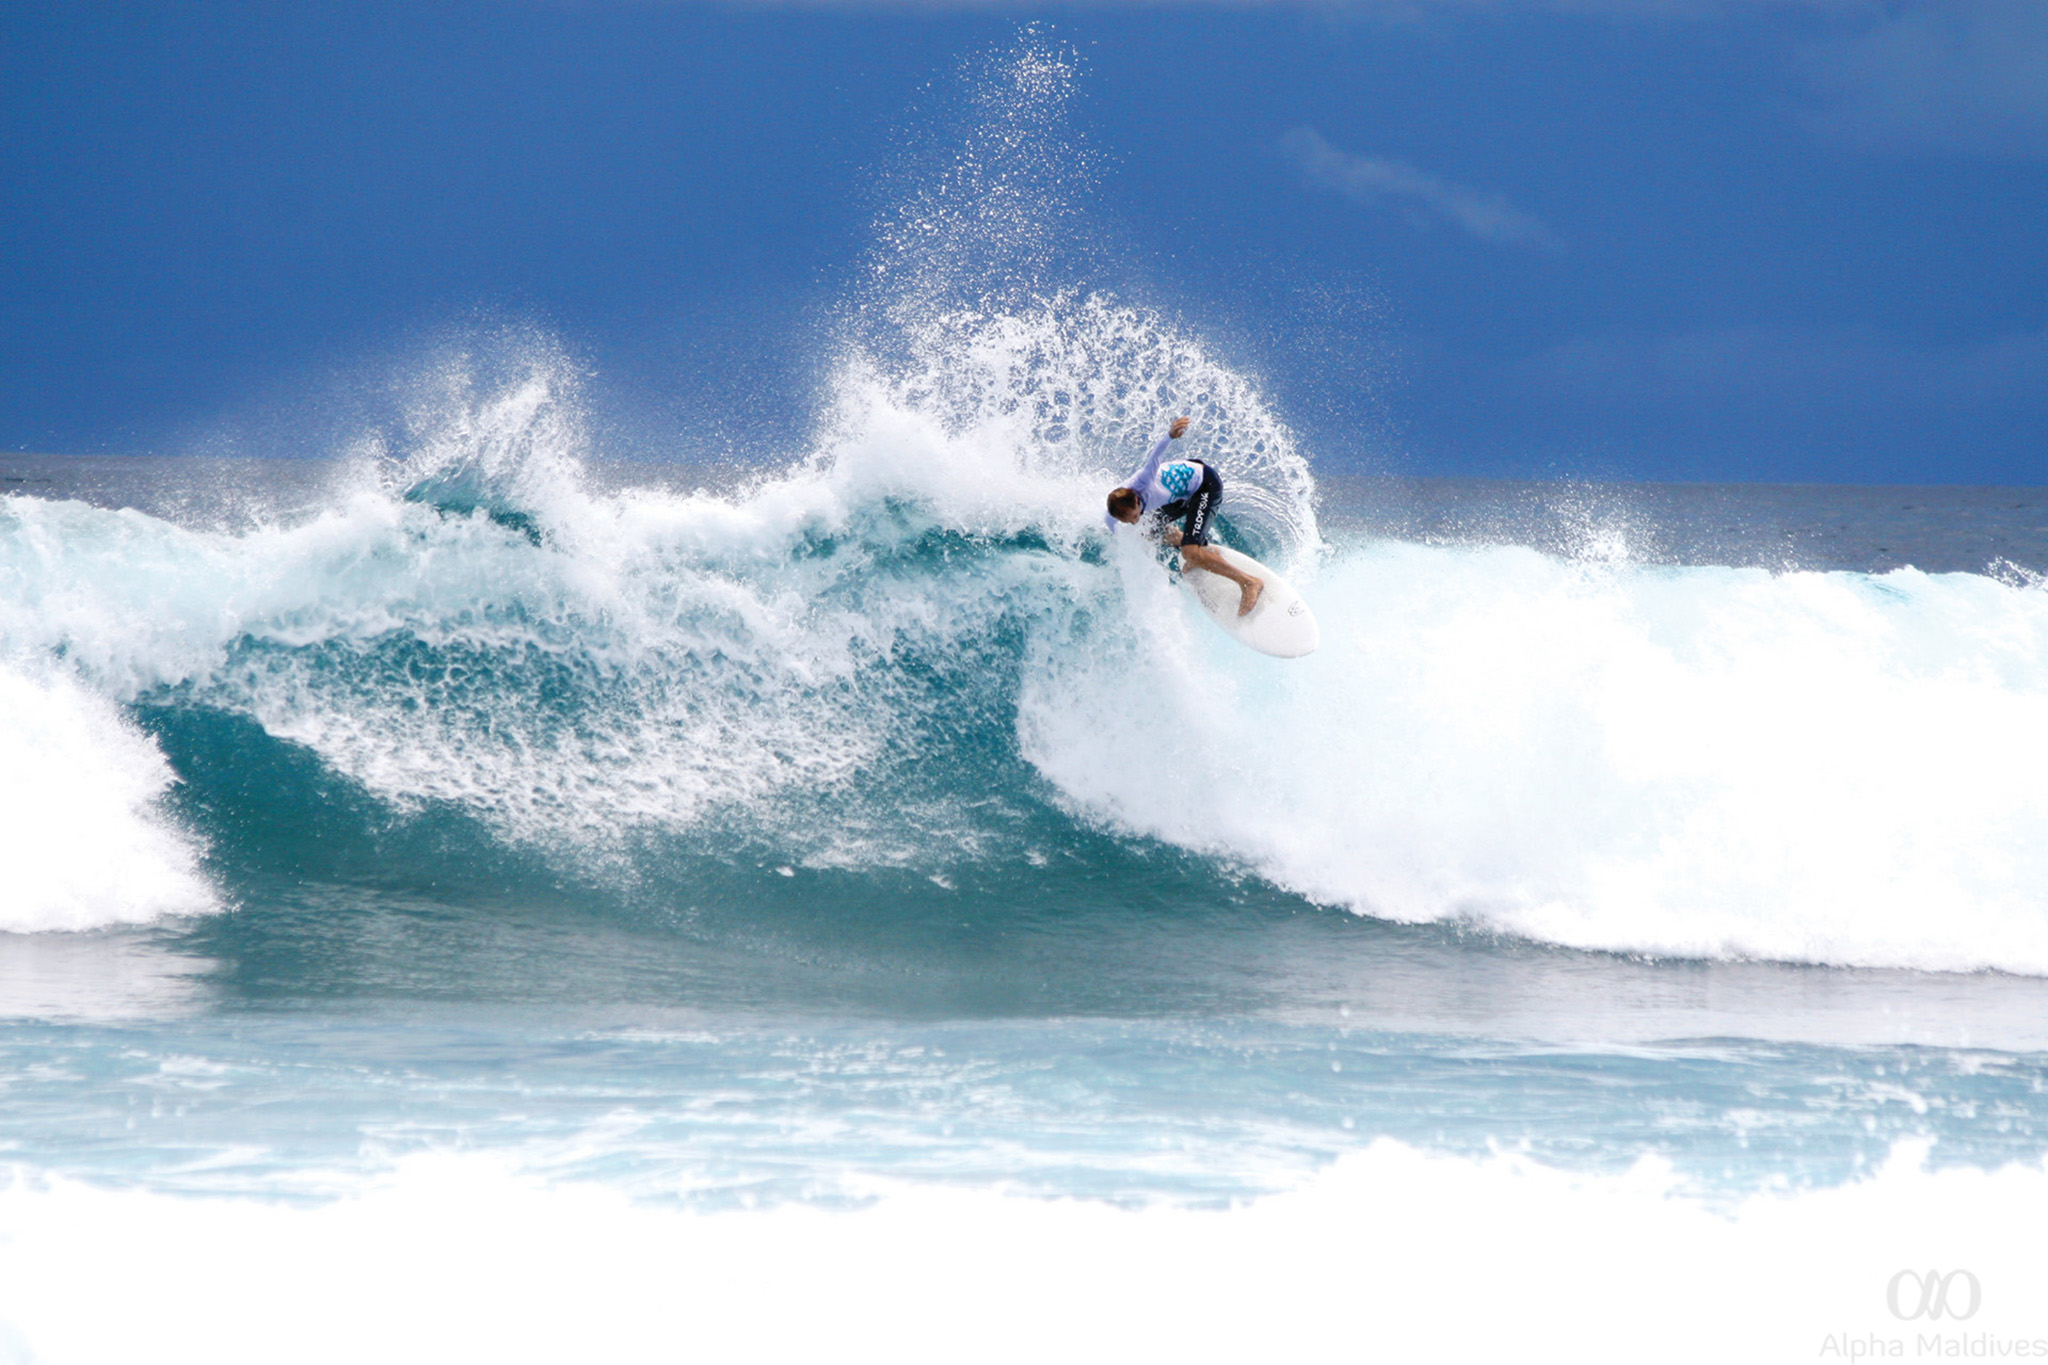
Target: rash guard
point(1160, 482)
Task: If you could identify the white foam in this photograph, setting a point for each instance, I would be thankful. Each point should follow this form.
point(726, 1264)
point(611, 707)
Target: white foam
point(83, 842)
point(1828, 768)
point(1392, 1254)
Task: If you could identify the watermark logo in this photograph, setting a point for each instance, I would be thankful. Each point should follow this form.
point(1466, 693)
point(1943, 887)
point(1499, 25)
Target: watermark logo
point(1933, 1295)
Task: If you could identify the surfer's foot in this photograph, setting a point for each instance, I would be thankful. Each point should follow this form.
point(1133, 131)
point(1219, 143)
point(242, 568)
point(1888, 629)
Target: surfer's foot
point(1250, 596)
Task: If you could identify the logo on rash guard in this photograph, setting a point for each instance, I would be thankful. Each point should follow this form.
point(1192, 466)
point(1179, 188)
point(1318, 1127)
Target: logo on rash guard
point(1176, 478)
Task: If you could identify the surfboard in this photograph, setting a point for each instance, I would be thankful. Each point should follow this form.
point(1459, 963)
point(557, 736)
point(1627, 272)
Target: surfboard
point(1280, 625)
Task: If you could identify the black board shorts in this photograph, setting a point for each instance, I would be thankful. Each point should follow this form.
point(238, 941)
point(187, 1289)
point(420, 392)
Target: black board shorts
point(1197, 509)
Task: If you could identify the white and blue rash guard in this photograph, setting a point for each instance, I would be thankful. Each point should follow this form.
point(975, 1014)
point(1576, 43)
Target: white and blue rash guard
point(1171, 486)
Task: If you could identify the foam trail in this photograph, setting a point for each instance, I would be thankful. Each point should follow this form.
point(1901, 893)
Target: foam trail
point(82, 840)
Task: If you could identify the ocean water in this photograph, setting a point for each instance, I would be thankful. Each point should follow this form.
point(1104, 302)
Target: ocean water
point(469, 896)
point(823, 840)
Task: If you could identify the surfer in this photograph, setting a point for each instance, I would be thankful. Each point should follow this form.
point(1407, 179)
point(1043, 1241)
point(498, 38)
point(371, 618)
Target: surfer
point(1190, 490)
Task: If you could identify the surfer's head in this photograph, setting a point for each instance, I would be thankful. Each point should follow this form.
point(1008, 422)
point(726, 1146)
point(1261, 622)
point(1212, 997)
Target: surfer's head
point(1124, 505)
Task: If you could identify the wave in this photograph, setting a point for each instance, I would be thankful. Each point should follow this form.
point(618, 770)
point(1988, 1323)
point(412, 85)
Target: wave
point(914, 648)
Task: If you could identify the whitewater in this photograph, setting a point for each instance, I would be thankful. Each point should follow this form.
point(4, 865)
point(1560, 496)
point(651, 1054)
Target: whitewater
point(555, 901)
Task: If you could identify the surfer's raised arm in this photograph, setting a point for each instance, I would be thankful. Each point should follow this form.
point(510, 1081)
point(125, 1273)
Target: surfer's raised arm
point(1178, 429)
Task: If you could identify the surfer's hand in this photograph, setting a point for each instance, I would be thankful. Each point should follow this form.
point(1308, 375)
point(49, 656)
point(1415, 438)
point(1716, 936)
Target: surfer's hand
point(1178, 429)
point(1171, 535)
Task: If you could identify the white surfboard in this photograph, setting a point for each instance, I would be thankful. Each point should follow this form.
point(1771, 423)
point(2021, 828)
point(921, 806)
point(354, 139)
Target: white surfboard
point(1280, 625)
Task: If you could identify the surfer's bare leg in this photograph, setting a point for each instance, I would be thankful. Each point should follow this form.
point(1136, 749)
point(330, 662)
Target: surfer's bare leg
point(1248, 587)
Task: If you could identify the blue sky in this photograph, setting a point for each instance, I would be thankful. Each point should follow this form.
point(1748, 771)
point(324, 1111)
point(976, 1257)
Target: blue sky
point(1693, 239)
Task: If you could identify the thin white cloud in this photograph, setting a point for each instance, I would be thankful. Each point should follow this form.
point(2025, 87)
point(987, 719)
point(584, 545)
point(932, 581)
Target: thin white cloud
point(1419, 196)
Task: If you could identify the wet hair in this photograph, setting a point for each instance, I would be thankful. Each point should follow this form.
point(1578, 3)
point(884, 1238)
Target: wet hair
point(1123, 503)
